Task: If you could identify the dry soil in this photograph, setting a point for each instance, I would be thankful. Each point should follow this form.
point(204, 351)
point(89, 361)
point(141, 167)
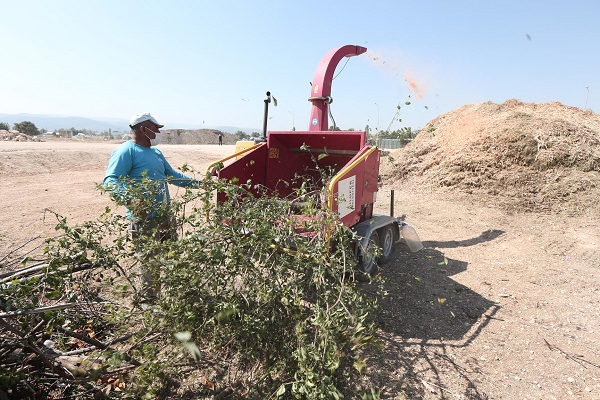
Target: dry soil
point(504, 300)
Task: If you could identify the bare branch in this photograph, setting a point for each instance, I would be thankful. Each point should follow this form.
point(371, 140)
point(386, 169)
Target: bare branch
point(37, 310)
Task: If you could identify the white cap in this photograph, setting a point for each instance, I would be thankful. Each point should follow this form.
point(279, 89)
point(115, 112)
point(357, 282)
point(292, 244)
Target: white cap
point(139, 118)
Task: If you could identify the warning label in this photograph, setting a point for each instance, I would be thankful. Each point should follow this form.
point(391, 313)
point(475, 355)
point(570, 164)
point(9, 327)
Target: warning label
point(347, 196)
point(273, 152)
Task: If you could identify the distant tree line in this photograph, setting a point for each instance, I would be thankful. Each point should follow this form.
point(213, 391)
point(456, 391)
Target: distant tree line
point(27, 127)
point(400, 134)
point(241, 135)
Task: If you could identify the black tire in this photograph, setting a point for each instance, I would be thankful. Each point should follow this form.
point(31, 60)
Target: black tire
point(387, 242)
point(367, 258)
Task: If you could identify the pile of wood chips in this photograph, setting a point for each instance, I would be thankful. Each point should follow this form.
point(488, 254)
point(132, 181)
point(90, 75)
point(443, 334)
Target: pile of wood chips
point(519, 156)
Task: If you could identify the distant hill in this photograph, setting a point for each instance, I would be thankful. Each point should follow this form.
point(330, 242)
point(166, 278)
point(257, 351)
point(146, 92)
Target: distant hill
point(54, 122)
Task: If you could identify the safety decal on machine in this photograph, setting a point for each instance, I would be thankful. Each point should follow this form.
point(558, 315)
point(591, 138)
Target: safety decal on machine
point(316, 89)
point(315, 122)
point(274, 152)
point(347, 196)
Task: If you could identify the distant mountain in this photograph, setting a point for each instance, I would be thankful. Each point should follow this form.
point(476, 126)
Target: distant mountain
point(54, 122)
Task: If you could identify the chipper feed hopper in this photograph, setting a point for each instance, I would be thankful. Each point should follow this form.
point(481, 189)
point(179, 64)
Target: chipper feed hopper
point(287, 160)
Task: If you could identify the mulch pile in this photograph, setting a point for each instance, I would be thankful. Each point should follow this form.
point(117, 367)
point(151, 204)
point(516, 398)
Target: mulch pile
point(196, 136)
point(520, 156)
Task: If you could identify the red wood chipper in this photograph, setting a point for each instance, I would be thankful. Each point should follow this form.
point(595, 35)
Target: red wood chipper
point(351, 188)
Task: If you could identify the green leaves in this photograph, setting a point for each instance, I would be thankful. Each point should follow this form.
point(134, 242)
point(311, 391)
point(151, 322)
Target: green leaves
point(184, 338)
point(256, 305)
point(360, 365)
point(224, 315)
point(26, 127)
point(281, 391)
point(274, 297)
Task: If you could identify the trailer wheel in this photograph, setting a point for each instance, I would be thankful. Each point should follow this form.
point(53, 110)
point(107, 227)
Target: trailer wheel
point(388, 243)
point(367, 258)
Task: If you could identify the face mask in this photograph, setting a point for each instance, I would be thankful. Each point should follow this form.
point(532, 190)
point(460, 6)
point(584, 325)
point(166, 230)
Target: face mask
point(157, 138)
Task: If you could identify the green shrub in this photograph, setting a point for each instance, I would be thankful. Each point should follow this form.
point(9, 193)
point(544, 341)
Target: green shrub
point(247, 307)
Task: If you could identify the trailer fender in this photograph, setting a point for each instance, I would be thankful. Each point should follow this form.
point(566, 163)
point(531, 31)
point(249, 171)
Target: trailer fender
point(365, 229)
point(402, 232)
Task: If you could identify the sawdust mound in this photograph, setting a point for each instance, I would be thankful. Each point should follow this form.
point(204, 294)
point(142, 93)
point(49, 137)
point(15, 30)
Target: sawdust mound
point(521, 156)
point(196, 136)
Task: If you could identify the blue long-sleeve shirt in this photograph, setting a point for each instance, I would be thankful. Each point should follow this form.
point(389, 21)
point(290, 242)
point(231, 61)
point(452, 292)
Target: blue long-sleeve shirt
point(134, 162)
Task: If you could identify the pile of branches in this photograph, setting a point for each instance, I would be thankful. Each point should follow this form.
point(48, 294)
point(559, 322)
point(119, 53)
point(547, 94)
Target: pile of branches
point(247, 307)
point(54, 339)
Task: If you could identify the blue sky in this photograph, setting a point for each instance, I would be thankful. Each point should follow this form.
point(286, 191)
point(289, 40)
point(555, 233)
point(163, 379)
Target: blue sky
point(210, 63)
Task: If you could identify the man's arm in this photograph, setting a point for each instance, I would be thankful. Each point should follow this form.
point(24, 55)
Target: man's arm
point(178, 178)
point(119, 167)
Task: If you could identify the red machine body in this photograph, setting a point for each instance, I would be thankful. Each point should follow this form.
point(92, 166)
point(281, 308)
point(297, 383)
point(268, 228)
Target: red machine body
point(338, 165)
point(291, 159)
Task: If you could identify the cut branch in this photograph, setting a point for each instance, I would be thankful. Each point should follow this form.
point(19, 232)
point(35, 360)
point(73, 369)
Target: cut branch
point(37, 310)
point(17, 248)
point(96, 343)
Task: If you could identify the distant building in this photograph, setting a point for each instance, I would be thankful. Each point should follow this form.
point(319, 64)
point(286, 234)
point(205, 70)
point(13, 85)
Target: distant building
point(64, 133)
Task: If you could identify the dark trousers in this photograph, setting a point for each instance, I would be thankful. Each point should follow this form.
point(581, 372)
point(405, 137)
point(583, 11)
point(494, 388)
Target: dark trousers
point(160, 229)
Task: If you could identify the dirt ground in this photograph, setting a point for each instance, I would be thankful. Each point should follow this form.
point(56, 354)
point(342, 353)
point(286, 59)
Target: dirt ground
point(502, 303)
point(61, 176)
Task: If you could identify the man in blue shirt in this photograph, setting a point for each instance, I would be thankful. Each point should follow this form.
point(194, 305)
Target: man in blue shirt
point(131, 163)
point(137, 159)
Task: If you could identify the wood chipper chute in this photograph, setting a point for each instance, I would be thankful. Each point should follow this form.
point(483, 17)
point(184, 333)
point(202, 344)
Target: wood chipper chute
point(288, 159)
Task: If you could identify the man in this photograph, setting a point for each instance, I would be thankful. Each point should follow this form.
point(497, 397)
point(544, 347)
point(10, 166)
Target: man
point(138, 161)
